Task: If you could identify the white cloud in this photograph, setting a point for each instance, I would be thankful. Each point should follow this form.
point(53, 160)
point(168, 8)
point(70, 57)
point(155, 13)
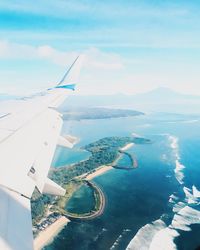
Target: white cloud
point(94, 57)
point(47, 52)
point(101, 60)
point(13, 51)
point(103, 72)
point(98, 67)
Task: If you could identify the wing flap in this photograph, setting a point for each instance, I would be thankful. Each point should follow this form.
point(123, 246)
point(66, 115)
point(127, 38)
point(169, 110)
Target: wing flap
point(15, 221)
point(44, 157)
point(32, 145)
point(29, 130)
point(53, 188)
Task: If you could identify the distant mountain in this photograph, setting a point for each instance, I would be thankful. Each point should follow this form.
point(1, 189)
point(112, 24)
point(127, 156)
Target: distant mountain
point(159, 99)
point(158, 94)
point(161, 94)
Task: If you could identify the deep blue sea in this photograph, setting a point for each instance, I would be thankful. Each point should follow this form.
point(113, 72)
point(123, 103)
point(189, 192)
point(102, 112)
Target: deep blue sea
point(151, 207)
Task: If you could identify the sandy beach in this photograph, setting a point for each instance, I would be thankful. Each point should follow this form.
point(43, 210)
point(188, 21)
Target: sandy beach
point(49, 233)
point(127, 146)
point(99, 171)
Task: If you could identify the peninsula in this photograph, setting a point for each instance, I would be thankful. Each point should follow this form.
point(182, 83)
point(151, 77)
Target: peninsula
point(78, 113)
point(105, 154)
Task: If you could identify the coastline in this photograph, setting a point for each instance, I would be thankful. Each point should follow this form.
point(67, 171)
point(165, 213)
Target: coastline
point(48, 234)
point(104, 168)
point(126, 147)
point(98, 171)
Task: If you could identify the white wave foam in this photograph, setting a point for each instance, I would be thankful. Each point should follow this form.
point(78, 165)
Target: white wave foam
point(119, 238)
point(158, 236)
point(144, 236)
point(164, 240)
point(180, 222)
point(179, 167)
point(173, 198)
point(190, 198)
point(178, 171)
point(196, 192)
point(185, 217)
point(174, 142)
point(100, 233)
point(178, 206)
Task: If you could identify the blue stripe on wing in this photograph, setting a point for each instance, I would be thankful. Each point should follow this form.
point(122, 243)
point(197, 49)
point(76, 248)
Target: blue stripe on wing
point(69, 86)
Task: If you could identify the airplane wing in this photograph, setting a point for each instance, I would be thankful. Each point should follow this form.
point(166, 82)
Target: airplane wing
point(29, 131)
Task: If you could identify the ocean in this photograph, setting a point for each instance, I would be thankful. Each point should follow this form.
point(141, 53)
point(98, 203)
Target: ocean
point(154, 205)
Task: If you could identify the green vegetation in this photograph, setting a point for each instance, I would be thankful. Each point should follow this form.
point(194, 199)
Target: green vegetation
point(39, 204)
point(97, 113)
point(103, 152)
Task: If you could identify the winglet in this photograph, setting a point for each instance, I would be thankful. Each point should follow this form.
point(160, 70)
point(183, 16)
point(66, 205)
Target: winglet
point(68, 72)
point(69, 86)
point(70, 78)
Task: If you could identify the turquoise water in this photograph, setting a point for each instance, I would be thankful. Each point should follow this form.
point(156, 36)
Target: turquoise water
point(124, 161)
point(137, 198)
point(64, 156)
point(77, 203)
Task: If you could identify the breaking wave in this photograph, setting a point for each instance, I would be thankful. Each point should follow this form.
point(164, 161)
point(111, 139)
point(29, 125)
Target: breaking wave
point(119, 238)
point(157, 235)
point(178, 166)
point(100, 234)
point(144, 236)
point(164, 239)
point(196, 192)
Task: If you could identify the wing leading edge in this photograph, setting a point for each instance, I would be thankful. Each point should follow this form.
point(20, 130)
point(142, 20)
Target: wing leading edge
point(28, 137)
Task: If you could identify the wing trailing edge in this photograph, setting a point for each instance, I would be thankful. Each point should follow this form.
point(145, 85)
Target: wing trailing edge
point(29, 132)
point(50, 187)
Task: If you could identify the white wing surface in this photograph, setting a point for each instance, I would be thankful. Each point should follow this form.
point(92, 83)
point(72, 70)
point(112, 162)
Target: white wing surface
point(29, 131)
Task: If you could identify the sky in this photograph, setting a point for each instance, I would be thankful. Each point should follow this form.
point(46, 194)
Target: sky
point(130, 46)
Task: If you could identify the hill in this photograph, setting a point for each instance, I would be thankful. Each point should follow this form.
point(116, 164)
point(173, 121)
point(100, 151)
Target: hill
point(159, 100)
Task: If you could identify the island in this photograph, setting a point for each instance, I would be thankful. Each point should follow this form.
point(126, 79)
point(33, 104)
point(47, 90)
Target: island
point(79, 113)
point(105, 154)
